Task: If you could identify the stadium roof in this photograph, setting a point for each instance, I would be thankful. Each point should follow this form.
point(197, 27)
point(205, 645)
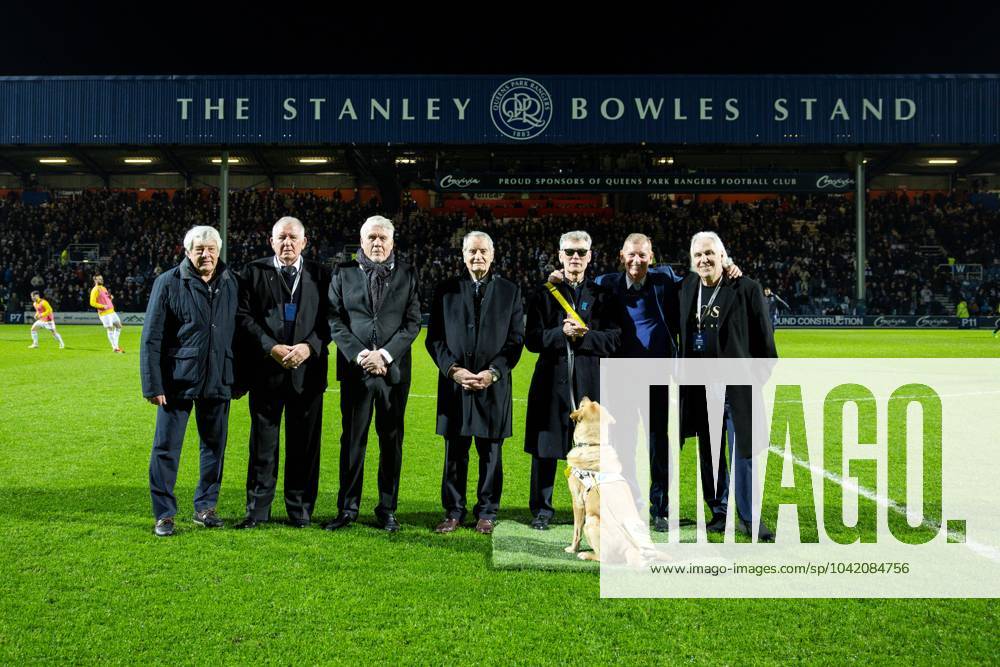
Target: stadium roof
point(422, 162)
point(416, 126)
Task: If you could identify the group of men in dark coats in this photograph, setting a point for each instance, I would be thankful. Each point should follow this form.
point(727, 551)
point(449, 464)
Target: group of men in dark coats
point(644, 312)
point(287, 310)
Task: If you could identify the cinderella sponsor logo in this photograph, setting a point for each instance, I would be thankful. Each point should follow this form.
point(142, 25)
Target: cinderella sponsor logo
point(927, 321)
point(521, 108)
point(450, 181)
point(826, 181)
point(890, 321)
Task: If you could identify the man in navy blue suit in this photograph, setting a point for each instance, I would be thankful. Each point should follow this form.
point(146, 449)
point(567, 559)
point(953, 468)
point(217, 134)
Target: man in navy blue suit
point(651, 300)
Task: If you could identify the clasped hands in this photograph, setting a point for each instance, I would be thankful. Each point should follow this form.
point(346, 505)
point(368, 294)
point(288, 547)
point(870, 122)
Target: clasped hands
point(373, 362)
point(573, 329)
point(471, 381)
point(291, 356)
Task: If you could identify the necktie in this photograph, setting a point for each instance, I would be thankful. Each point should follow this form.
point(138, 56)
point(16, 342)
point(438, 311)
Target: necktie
point(288, 273)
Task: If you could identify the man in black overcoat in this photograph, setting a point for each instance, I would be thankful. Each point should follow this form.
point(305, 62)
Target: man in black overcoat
point(568, 366)
point(284, 334)
point(475, 336)
point(722, 318)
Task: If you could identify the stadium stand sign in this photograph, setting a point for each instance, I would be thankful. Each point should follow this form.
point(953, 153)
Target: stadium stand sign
point(245, 110)
point(75, 318)
point(884, 322)
point(682, 182)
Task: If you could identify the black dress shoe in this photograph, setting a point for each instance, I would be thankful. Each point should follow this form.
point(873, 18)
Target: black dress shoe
point(764, 534)
point(389, 523)
point(717, 524)
point(540, 522)
point(297, 523)
point(660, 524)
point(249, 522)
point(342, 521)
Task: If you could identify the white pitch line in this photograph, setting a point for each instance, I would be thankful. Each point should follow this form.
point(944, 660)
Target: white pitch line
point(984, 550)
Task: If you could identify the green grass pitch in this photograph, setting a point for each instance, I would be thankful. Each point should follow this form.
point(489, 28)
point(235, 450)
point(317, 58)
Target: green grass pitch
point(83, 580)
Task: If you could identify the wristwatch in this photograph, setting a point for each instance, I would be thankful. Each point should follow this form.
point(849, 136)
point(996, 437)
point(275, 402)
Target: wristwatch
point(495, 374)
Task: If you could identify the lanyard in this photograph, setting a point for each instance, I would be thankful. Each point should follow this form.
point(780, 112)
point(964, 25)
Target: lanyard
point(298, 273)
point(715, 293)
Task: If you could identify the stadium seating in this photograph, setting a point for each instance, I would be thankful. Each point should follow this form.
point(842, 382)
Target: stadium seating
point(802, 247)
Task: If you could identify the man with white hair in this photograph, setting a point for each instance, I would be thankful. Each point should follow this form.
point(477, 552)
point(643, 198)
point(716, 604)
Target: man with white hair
point(475, 336)
point(186, 362)
point(571, 326)
point(374, 319)
point(724, 318)
point(285, 332)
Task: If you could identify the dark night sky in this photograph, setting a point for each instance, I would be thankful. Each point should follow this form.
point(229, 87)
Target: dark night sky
point(823, 37)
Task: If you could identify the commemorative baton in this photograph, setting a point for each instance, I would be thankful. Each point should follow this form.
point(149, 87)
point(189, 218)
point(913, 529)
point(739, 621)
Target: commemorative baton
point(565, 304)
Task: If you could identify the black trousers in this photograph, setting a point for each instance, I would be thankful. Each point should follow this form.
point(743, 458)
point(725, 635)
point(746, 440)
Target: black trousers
point(303, 431)
point(212, 417)
point(359, 401)
point(456, 474)
point(543, 479)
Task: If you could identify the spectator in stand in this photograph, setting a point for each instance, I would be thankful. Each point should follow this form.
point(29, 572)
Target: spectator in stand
point(801, 246)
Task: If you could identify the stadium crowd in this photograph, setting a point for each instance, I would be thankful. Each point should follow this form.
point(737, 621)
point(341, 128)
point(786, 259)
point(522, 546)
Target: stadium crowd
point(801, 247)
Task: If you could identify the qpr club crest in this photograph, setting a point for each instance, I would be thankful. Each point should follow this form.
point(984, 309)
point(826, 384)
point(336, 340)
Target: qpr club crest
point(521, 108)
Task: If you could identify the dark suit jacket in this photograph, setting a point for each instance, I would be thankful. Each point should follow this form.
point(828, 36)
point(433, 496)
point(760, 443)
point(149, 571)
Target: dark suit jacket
point(548, 433)
point(451, 340)
point(666, 286)
point(261, 327)
point(744, 332)
point(352, 320)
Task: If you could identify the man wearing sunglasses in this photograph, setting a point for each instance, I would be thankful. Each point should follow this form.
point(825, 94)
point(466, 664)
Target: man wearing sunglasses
point(571, 326)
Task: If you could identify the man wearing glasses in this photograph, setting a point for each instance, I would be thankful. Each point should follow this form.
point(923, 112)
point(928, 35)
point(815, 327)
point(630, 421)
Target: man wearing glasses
point(571, 326)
